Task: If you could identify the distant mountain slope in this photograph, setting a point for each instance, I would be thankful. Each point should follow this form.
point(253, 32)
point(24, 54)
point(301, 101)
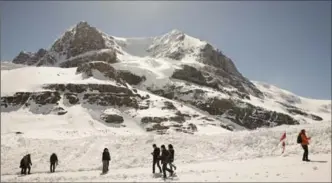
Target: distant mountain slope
point(172, 82)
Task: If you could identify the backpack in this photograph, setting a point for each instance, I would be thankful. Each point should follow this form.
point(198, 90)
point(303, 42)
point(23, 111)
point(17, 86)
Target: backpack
point(299, 139)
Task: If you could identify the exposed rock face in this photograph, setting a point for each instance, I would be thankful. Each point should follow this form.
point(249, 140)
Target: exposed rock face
point(49, 99)
point(130, 78)
point(215, 58)
point(241, 113)
point(108, 56)
point(104, 95)
point(81, 39)
point(106, 69)
point(217, 79)
point(47, 59)
point(112, 118)
point(21, 98)
point(169, 105)
point(109, 99)
point(296, 111)
point(109, 72)
point(29, 58)
point(80, 88)
point(153, 119)
point(247, 115)
point(72, 98)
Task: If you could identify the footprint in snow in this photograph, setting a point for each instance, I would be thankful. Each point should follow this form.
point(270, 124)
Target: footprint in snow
point(315, 168)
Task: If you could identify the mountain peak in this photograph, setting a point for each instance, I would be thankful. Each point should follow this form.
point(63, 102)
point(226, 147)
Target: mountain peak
point(82, 24)
point(176, 31)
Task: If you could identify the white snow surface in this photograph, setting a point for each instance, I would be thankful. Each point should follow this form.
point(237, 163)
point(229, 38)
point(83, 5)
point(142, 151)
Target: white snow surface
point(32, 78)
point(234, 156)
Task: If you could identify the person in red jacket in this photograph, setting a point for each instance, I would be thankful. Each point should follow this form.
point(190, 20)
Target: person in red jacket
point(304, 143)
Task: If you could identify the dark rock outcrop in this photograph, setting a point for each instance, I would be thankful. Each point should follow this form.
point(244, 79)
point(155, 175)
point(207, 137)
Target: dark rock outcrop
point(109, 99)
point(217, 79)
point(72, 98)
point(80, 88)
point(130, 78)
point(21, 98)
point(248, 116)
point(108, 56)
point(296, 111)
point(241, 113)
point(153, 120)
point(120, 76)
point(106, 69)
point(81, 39)
point(169, 105)
point(29, 58)
point(112, 118)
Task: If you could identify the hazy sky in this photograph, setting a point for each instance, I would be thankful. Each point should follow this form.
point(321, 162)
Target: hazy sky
point(283, 43)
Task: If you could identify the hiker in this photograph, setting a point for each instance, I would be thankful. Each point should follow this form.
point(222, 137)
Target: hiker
point(106, 159)
point(165, 156)
point(304, 140)
point(54, 162)
point(171, 159)
point(26, 164)
point(155, 154)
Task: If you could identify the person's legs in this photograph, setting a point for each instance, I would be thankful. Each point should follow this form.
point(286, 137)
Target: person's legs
point(306, 152)
point(29, 168)
point(154, 162)
point(107, 165)
point(104, 166)
point(164, 169)
point(158, 164)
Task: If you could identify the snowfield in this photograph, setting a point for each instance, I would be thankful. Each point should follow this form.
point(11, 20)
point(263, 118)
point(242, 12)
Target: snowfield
point(232, 156)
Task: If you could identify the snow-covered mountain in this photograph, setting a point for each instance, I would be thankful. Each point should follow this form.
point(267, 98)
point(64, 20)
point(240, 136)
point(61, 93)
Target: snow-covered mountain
point(172, 82)
point(90, 90)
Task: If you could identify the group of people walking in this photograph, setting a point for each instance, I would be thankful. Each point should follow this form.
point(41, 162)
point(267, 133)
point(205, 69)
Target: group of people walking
point(163, 155)
point(166, 158)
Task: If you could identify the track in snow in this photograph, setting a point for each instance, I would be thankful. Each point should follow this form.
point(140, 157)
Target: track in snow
point(263, 169)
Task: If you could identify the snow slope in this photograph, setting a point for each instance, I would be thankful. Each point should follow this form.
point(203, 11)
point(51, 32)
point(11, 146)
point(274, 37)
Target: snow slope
point(277, 169)
point(235, 156)
point(32, 78)
point(275, 96)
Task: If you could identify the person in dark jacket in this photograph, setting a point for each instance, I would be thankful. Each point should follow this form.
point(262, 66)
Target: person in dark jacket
point(53, 161)
point(155, 154)
point(106, 159)
point(26, 164)
point(165, 157)
point(304, 143)
point(22, 165)
point(171, 159)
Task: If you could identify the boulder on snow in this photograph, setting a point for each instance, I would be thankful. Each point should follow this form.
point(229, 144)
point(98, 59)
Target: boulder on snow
point(112, 118)
point(153, 119)
point(168, 105)
point(72, 98)
point(130, 78)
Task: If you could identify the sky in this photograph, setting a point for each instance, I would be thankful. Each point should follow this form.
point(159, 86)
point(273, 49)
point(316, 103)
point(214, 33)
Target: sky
point(284, 43)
